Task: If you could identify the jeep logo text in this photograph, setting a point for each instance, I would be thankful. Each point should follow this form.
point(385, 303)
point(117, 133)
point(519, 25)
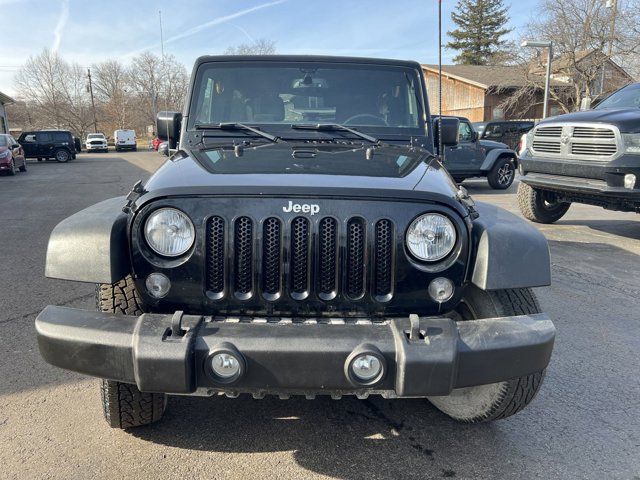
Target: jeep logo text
point(304, 208)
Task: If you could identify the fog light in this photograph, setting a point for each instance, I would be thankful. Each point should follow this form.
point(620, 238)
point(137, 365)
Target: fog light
point(158, 285)
point(225, 365)
point(629, 180)
point(441, 289)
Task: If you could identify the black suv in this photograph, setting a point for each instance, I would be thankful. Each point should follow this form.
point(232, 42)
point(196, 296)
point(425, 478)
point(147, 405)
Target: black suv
point(302, 240)
point(505, 131)
point(46, 144)
point(590, 157)
point(473, 157)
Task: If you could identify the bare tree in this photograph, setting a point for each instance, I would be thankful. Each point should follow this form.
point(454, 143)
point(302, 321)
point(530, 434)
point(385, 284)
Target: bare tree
point(259, 47)
point(583, 32)
point(54, 93)
point(112, 88)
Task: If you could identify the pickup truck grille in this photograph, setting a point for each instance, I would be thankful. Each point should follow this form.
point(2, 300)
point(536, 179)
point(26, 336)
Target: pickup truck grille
point(581, 142)
point(273, 258)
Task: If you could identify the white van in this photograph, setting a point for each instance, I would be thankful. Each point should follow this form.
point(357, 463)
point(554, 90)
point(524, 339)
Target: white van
point(125, 140)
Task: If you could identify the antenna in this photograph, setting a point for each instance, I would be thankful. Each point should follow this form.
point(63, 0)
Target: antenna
point(440, 149)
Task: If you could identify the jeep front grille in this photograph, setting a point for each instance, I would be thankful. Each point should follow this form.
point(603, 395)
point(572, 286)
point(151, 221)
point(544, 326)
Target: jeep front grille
point(580, 142)
point(324, 257)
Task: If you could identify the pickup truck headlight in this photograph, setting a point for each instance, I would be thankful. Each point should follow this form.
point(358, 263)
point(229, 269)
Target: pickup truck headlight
point(169, 232)
point(631, 143)
point(431, 237)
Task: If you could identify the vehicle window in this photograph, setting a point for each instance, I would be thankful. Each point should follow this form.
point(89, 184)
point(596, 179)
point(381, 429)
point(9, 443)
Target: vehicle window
point(627, 97)
point(4, 141)
point(95, 135)
point(44, 137)
point(511, 128)
point(29, 138)
point(493, 131)
point(60, 137)
point(465, 132)
point(525, 127)
point(307, 93)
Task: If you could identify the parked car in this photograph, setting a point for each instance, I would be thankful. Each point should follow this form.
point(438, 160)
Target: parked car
point(279, 256)
point(46, 144)
point(96, 142)
point(155, 143)
point(11, 155)
point(163, 148)
point(125, 140)
point(590, 157)
point(473, 157)
point(504, 131)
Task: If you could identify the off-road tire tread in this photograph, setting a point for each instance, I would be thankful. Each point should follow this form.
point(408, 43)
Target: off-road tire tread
point(527, 201)
point(124, 406)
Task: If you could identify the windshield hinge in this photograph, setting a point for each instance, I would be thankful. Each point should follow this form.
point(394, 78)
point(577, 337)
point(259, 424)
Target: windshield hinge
point(134, 194)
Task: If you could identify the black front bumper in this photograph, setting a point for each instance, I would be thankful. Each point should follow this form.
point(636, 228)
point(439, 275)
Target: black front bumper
point(169, 353)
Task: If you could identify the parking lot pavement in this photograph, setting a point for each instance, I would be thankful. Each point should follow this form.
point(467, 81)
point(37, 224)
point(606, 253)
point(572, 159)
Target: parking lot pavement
point(584, 424)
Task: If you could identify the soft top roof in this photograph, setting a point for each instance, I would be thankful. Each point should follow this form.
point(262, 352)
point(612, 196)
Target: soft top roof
point(305, 58)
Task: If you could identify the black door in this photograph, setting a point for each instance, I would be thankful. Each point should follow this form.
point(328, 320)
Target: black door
point(29, 145)
point(464, 158)
point(44, 141)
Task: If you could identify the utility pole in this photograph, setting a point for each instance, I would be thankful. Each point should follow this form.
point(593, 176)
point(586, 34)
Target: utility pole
point(93, 103)
point(161, 35)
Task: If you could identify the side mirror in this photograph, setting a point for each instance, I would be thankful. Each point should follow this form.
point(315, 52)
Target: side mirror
point(168, 127)
point(14, 146)
point(448, 127)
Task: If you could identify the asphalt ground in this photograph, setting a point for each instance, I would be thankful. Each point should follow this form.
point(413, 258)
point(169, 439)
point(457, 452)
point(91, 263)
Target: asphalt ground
point(585, 423)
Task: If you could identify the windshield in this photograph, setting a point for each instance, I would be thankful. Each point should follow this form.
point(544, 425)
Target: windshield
point(284, 93)
point(95, 135)
point(4, 140)
point(627, 97)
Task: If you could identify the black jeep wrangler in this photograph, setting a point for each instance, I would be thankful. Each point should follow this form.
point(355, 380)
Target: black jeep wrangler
point(475, 157)
point(303, 239)
point(590, 157)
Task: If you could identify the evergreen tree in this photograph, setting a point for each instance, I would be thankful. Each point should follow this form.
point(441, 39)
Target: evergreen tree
point(481, 26)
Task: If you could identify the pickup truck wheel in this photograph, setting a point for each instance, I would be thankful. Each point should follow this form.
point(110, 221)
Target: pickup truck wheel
point(123, 405)
point(62, 155)
point(485, 403)
point(502, 174)
point(539, 205)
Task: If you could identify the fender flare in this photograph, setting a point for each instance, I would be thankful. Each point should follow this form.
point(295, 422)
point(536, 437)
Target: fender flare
point(91, 245)
point(509, 251)
point(493, 156)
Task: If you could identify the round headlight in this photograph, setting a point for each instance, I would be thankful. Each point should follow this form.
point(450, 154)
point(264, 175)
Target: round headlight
point(431, 237)
point(169, 232)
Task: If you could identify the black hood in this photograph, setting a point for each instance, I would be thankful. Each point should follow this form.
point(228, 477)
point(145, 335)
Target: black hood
point(306, 170)
point(626, 119)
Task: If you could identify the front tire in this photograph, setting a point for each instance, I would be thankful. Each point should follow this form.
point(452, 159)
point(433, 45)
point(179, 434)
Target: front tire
point(123, 405)
point(495, 401)
point(539, 205)
point(502, 174)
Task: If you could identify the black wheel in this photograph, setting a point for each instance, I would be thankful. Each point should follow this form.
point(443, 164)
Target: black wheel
point(502, 174)
point(62, 155)
point(135, 149)
point(540, 206)
point(485, 403)
point(39, 159)
point(123, 405)
point(23, 168)
point(12, 168)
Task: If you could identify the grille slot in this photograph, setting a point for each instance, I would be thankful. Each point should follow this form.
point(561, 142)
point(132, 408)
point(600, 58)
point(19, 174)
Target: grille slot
point(243, 257)
point(300, 256)
point(215, 255)
point(554, 132)
point(271, 256)
point(598, 150)
point(328, 256)
point(546, 147)
point(591, 132)
point(383, 259)
point(356, 241)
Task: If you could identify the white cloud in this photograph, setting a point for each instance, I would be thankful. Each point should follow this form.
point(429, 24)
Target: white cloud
point(216, 21)
point(60, 26)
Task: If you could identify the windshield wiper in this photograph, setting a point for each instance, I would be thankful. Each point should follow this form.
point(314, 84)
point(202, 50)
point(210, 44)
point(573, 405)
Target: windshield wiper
point(236, 126)
point(334, 127)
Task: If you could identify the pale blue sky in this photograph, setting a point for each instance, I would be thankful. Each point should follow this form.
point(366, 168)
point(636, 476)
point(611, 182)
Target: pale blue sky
point(90, 31)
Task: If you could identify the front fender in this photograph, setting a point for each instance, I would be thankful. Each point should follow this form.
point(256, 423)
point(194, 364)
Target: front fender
point(493, 155)
point(509, 252)
point(91, 245)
